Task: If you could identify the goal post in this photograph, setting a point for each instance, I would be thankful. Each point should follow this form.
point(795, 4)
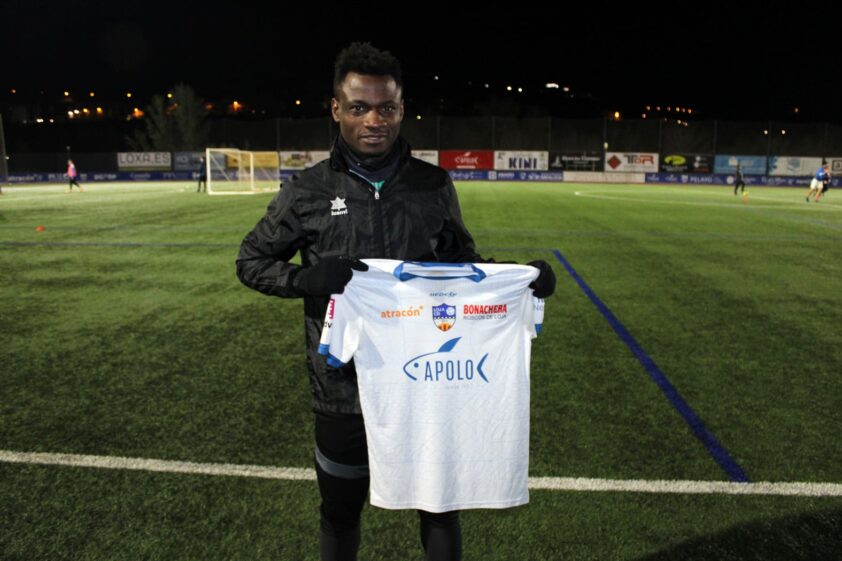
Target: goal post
point(241, 172)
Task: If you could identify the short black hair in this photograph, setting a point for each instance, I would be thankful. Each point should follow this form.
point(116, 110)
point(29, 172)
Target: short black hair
point(364, 58)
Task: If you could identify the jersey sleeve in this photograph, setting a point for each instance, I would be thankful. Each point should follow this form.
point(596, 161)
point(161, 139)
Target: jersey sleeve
point(537, 316)
point(341, 330)
point(534, 319)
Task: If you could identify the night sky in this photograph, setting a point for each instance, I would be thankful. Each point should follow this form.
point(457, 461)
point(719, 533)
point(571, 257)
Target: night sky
point(725, 61)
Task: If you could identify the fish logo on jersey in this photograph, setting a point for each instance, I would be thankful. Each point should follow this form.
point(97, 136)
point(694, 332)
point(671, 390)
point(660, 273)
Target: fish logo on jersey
point(444, 365)
point(444, 316)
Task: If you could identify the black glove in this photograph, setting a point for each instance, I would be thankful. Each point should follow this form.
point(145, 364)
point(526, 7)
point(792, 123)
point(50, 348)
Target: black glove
point(544, 285)
point(328, 276)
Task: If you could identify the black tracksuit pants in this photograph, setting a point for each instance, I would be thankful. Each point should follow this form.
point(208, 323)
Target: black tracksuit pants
point(342, 473)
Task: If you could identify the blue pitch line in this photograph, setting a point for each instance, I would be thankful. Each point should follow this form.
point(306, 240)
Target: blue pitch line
point(714, 448)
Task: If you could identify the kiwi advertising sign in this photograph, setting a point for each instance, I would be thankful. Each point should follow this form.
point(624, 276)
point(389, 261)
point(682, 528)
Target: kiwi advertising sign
point(686, 163)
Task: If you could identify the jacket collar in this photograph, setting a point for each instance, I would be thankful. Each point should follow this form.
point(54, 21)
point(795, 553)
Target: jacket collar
point(337, 160)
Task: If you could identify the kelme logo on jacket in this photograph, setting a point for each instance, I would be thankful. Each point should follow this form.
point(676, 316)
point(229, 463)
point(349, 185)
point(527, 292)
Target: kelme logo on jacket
point(337, 207)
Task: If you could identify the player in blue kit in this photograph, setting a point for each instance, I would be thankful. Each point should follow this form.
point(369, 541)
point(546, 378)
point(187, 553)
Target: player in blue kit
point(818, 182)
point(370, 199)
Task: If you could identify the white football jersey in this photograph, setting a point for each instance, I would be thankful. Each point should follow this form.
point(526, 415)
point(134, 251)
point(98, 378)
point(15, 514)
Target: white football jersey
point(442, 356)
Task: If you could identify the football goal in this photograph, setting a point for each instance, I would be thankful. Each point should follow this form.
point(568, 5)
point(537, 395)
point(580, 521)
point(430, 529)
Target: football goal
point(241, 172)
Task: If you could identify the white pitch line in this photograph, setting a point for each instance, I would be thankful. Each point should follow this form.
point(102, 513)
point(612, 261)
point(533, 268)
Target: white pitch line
point(535, 483)
point(165, 466)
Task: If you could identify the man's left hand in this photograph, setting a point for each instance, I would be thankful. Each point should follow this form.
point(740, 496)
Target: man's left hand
point(544, 285)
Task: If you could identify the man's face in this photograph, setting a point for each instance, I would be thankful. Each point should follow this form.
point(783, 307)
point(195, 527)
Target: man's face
point(369, 111)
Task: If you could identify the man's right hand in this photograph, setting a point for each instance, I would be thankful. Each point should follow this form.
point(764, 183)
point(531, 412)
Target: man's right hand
point(328, 276)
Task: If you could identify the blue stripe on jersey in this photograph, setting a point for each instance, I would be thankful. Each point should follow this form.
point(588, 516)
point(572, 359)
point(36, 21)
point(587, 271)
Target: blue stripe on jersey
point(335, 362)
point(331, 360)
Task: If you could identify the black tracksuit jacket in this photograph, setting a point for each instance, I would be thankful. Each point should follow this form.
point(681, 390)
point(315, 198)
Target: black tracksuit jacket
point(327, 211)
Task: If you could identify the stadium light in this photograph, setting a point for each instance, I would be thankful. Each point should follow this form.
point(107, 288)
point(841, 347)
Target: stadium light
point(418, 117)
point(128, 95)
point(520, 90)
point(436, 78)
point(552, 86)
point(99, 110)
point(794, 110)
point(75, 111)
point(14, 91)
point(649, 108)
point(91, 94)
point(566, 89)
point(508, 88)
point(70, 114)
point(298, 102)
point(85, 111)
point(487, 86)
point(765, 132)
point(169, 95)
point(783, 131)
point(643, 115)
point(39, 120)
point(66, 94)
point(616, 115)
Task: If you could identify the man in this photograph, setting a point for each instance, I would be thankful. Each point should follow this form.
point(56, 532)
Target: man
point(369, 199)
point(203, 176)
point(825, 186)
point(817, 183)
point(739, 181)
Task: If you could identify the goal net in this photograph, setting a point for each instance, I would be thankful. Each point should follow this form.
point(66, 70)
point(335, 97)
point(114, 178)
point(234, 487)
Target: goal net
point(241, 172)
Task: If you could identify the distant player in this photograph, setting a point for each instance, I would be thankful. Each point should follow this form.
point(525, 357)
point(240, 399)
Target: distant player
point(203, 176)
point(72, 174)
point(739, 181)
point(817, 184)
point(825, 186)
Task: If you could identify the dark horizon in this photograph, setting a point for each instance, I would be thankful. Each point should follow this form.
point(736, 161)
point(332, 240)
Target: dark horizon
point(739, 64)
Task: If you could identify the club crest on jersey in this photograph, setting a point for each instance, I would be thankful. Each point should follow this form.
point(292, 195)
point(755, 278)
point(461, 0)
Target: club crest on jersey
point(445, 365)
point(444, 316)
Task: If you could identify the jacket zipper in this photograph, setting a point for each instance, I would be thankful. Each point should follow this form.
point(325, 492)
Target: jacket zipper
point(379, 227)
